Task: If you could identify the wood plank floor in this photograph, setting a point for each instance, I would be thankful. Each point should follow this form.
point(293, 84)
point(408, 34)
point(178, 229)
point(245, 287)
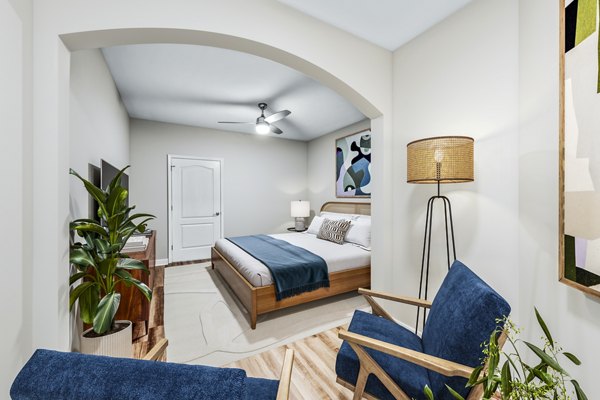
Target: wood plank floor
point(156, 323)
point(313, 375)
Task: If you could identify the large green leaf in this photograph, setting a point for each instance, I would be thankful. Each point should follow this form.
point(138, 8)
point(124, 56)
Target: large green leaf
point(77, 276)
point(88, 304)
point(474, 378)
point(546, 358)
point(506, 382)
point(94, 228)
point(102, 246)
point(572, 357)
point(428, 393)
point(94, 191)
point(107, 308)
point(79, 256)
point(454, 393)
point(131, 264)
point(126, 277)
point(578, 391)
point(544, 327)
point(78, 291)
point(116, 181)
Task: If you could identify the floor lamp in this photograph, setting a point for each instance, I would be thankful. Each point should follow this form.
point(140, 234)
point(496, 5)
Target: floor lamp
point(437, 160)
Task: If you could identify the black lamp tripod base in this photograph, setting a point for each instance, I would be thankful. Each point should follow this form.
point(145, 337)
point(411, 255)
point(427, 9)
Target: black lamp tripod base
point(427, 247)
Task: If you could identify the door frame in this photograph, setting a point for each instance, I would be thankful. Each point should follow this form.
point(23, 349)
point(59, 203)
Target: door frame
point(170, 158)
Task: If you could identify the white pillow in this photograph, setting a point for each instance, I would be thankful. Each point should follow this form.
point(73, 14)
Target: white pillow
point(333, 215)
point(315, 225)
point(360, 233)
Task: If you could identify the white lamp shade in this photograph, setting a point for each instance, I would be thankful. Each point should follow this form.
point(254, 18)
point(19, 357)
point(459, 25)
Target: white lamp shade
point(300, 209)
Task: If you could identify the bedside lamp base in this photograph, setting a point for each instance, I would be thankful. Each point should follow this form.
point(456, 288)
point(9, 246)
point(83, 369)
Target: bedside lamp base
point(300, 224)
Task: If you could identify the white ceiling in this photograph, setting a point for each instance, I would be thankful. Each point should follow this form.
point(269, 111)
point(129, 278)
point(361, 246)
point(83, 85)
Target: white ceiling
point(387, 23)
point(199, 85)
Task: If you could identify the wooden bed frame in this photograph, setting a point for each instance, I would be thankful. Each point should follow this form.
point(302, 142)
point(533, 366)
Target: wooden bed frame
point(261, 300)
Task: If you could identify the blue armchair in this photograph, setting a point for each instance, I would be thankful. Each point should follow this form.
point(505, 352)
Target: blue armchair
point(382, 360)
point(53, 375)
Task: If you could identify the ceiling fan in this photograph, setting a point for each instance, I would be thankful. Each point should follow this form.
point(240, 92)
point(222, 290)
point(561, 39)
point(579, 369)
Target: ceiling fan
point(264, 125)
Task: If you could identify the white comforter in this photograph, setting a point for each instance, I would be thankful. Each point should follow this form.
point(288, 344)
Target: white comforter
point(338, 257)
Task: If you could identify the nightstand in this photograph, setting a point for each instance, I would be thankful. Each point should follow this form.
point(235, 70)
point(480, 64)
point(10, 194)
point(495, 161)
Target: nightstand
point(293, 229)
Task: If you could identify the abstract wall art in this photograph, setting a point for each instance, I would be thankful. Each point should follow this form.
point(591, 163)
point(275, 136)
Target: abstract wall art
point(579, 146)
point(353, 165)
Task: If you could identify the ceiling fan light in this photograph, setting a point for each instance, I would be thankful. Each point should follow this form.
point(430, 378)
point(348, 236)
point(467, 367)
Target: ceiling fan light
point(262, 128)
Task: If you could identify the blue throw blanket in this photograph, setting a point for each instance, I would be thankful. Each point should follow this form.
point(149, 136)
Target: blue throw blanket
point(294, 269)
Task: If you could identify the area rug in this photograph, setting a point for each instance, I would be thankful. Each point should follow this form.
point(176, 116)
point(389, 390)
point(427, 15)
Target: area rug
point(205, 323)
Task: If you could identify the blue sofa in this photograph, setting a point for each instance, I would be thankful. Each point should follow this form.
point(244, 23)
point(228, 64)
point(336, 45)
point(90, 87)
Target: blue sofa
point(50, 375)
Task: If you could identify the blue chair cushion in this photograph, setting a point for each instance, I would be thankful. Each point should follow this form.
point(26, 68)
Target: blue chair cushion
point(53, 375)
point(410, 377)
point(462, 317)
point(260, 389)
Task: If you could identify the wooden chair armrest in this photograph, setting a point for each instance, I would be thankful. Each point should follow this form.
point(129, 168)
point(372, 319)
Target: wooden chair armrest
point(401, 299)
point(444, 367)
point(157, 351)
point(283, 393)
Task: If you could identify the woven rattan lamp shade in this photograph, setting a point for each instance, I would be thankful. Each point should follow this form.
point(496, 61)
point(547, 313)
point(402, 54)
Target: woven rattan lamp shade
point(443, 159)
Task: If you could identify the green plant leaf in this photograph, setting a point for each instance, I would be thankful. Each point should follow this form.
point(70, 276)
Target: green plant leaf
point(116, 181)
point(94, 191)
point(131, 264)
point(578, 391)
point(107, 308)
point(546, 358)
point(572, 357)
point(506, 380)
point(474, 378)
point(126, 277)
point(541, 375)
point(544, 327)
point(428, 393)
point(454, 393)
point(78, 291)
point(95, 228)
point(79, 256)
point(75, 277)
point(88, 304)
point(102, 246)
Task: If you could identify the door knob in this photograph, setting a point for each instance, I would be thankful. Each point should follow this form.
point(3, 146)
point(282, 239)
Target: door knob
point(217, 214)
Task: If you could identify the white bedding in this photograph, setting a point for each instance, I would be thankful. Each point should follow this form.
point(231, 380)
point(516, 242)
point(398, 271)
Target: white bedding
point(338, 257)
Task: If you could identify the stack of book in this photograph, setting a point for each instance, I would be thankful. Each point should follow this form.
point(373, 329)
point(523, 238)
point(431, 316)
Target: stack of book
point(136, 243)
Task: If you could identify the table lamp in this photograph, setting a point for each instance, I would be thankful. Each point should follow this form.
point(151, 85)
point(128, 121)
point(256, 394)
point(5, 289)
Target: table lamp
point(300, 209)
point(437, 160)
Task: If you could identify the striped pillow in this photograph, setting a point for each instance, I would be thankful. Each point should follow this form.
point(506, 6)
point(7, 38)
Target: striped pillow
point(334, 230)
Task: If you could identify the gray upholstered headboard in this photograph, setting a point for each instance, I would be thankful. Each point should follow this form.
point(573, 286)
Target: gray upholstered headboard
point(347, 207)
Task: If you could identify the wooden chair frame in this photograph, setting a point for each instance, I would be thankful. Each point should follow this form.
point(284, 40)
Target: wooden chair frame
point(369, 366)
point(285, 377)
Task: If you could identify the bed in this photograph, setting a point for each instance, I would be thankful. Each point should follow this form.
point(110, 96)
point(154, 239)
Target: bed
point(349, 268)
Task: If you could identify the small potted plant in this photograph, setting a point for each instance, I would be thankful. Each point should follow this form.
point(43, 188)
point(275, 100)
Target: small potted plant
point(517, 380)
point(98, 264)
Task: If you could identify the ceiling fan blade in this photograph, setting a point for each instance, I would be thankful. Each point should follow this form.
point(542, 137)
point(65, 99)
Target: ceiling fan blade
point(275, 129)
point(277, 116)
point(232, 122)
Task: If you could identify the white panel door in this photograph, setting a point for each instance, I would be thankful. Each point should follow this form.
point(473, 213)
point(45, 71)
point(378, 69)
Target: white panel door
point(195, 208)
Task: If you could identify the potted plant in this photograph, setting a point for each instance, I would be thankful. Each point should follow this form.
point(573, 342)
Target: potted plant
point(517, 380)
point(99, 264)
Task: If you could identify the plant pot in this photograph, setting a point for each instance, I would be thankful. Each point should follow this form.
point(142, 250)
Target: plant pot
point(116, 344)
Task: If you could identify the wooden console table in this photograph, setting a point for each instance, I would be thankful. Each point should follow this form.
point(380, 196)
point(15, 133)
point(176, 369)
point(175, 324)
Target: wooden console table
point(134, 305)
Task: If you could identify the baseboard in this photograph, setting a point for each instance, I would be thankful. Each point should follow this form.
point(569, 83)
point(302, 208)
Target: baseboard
point(161, 262)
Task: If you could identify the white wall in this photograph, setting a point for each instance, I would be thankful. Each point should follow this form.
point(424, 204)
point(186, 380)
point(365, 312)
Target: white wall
point(573, 318)
point(99, 123)
point(321, 166)
point(461, 78)
point(491, 71)
point(261, 175)
point(15, 203)
point(357, 69)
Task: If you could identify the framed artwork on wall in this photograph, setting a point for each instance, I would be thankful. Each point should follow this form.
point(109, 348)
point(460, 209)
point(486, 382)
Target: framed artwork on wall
point(353, 165)
point(579, 146)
